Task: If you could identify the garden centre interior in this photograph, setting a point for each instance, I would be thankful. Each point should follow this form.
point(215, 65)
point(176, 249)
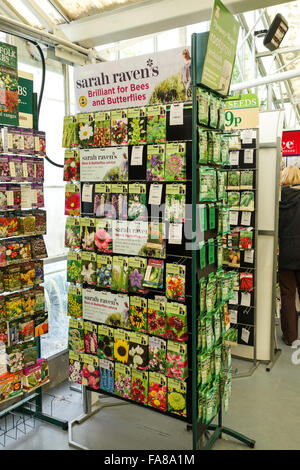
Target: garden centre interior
point(143, 305)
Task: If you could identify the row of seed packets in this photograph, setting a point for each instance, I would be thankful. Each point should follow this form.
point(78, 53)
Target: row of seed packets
point(23, 223)
point(15, 168)
point(17, 196)
point(147, 388)
point(152, 316)
point(211, 395)
point(131, 126)
point(22, 141)
point(211, 109)
point(21, 250)
point(14, 358)
point(18, 331)
point(20, 276)
point(22, 303)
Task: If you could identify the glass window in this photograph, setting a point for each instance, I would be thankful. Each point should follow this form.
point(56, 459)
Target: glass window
point(140, 47)
point(169, 40)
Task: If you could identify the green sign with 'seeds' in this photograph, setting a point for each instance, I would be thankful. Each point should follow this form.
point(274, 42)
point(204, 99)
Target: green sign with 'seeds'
point(221, 49)
point(9, 98)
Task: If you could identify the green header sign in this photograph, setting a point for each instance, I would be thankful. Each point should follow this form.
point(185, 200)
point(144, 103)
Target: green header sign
point(25, 99)
point(242, 112)
point(242, 101)
point(9, 99)
point(221, 50)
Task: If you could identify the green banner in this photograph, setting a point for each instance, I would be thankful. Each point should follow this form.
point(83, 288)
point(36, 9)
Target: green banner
point(242, 112)
point(25, 99)
point(221, 49)
point(9, 99)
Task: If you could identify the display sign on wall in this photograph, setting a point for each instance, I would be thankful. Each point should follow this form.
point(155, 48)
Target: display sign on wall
point(291, 143)
point(242, 112)
point(148, 79)
point(25, 89)
point(221, 49)
point(9, 99)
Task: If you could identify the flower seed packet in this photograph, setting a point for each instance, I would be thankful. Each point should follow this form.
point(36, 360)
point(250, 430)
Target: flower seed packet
point(175, 165)
point(90, 371)
point(75, 367)
point(119, 200)
point(4, 169)
point(76, 335)
point(177, 360)
point(89, 268)
point(156, 162)
point(72, 199)
point(137, 269)
point(102, 129)
point(175, 202)
point(74, 301)
point(14, 358)
point(119, 278)
point(102, 200)
point(137, 126)
point(3, 197)
point(122, 380)
point(119, 127)
point(88, 231)
point(104, 271)
point(103, 236)
point(105, 342)
point(107, 375)
point(69, 132)
point(139, 386)
point(85, 130)
point(137, 202)
point(90, 338)
point(156, 124)
point(121, 345)
point(138, 314)
point(156, 317)
point(138, 350)
point(157, 392)
point(176, 322)
point(175, 281)
point(38, 249)
point(74, 267)
point(157, 355)
point(177, 397)
point(71, 165)
point(72, 232)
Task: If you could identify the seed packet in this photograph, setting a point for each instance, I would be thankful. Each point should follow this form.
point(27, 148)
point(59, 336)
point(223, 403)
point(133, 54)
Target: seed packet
point(27, 224)
point(177, 360)
point(90, 338)
point(233, 179)
point(203, 106)
point(233, 199)
point(40, 222)
point(211, 293)
point(13, 193)
point(139, 386)
point(76, 335)
point(202, 147)
point(4, 226)
point(175, 202)
point(246, 180)
point(176, 322)
point(137, 202)
point(87, 230)
point(90, 371)
point(74, 267)
point(39, 170)
point(71, 165)
point(14, 358)
point(41, 324)
point(30, 169)
point(28, 141)
point(138, 351)
point(216, 155)
point(156, 317)
point(89, 268)
point(14, 332)
point(102, 200)
point(154, 274)
point(175, 281)
point(69, 132)
point(177, 397)
point(221, 114)
point(72, 199)
point(157, 355)
point(121, 346)
point(3, 257)
point(10, 386)
point(246, 239)
point(3, 365)
point(3, 196)
point(2, 307)
point(137, 269)
point(75, 367)
point(105, 342)
point(26, 328)
point(107, 373)
point(225, 150)
point(102, 129)
point(156, 162)
point(175, 164)
point(1, 281)
point(156, 124)
point(85, 130)
point(157, 393)
point(156, 243)
point(104, 271)
point(213, 111)
point(208, 183)
point(103, 236)
point(13, 248)
point(40, 143)
point(72, 232)
point(12, 278)
point(75, 301)
point(4, 169)
point(38, 248)
point(18, 168)
point(246, 281)
point(123, 380)
point(119, 278)
point(138, 314)
point(119, 200)
point(39, 298)
point(119, 127)
point(137, 126)
point(222, 183)
point(38, 272)
point(247, 201)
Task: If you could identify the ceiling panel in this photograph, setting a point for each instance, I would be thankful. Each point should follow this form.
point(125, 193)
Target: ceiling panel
point(83, 8)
